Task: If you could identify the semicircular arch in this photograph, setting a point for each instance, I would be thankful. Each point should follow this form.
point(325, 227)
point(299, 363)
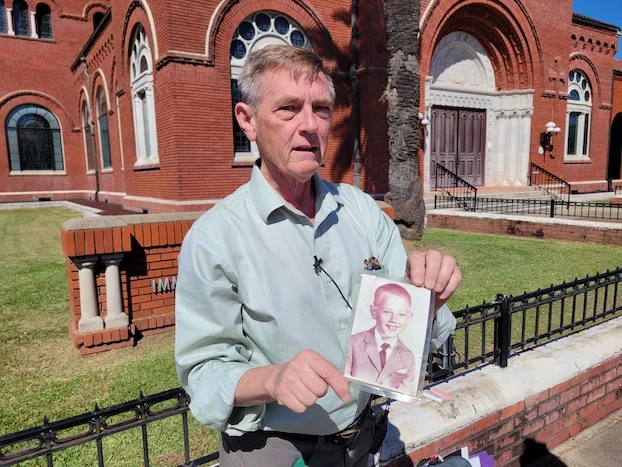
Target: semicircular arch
point(580, 61)
point(17, 94)
point(506, 31)
point(308, 18)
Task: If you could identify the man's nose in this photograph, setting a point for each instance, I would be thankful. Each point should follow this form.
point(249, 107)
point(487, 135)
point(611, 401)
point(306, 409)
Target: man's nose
point(309, 121)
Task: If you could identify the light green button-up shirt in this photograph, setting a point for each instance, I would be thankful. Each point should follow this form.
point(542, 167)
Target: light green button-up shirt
point(248, 295)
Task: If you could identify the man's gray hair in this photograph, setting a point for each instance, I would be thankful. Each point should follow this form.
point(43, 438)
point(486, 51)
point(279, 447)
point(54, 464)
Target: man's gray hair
point(298, 61)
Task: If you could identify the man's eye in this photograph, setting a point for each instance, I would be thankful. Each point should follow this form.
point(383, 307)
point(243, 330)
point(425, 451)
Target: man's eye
point(322, 110)
point(287, 108)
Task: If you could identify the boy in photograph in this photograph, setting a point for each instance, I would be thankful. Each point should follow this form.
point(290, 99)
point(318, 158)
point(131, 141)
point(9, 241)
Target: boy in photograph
point(377, 355)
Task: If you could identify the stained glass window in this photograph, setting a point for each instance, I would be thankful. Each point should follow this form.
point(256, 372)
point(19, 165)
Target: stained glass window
point(104, 136)
point(572, 133)
point(257, 30)
point(578, 115)
point(2, 18)
point(240, 141)
point(21, 21)
point(43, 20)
point(33, 136)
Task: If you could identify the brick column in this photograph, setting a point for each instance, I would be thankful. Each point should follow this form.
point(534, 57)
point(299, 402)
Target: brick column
point(115, 317)
point(90, 319)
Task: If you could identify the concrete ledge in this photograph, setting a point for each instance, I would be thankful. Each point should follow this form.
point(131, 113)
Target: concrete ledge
point(483, 396)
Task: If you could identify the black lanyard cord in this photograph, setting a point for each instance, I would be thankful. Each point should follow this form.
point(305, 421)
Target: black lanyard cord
point(317, 266)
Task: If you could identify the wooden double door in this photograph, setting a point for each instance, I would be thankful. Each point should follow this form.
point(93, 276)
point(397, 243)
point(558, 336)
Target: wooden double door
point(458, 142)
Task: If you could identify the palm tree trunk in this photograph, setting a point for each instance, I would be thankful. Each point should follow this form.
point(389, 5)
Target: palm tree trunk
point(402, 94)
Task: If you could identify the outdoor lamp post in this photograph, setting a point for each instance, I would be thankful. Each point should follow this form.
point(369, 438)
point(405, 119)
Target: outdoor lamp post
point(546, 139)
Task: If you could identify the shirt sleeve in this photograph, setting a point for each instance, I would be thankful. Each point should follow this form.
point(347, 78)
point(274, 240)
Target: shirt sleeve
point(393, 256)
point(211, 351)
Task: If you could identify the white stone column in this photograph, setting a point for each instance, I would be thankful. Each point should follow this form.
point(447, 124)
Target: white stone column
point(525, 145)
point(115, 317)
point(500, 147)
point(120, 135)
point(90, 319)
point(139, 133)
point(514, 124)
point(9, 21)
point(154, 157)
point(33, 26)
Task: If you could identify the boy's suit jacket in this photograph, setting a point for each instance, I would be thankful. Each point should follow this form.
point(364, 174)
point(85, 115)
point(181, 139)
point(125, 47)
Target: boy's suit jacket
point(363, 362)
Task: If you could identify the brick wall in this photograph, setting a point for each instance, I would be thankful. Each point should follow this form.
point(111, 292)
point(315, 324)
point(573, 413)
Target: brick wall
point(551, 416)
point(193, 97)
point(150, 245)
point(37, 71)
point(521, 226)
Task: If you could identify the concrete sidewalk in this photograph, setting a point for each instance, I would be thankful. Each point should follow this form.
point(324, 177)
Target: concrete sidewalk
point(597, 446)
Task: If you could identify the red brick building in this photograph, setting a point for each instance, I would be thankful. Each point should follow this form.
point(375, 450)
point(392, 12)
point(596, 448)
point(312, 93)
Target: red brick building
point(159, 90)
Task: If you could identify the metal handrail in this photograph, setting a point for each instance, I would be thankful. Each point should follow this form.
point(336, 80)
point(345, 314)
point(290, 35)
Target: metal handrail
point(546, 181)
point(456, 188)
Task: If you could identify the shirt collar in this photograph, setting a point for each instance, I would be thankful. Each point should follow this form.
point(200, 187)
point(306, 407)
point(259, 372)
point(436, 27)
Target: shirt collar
point(267, 200)
point(379, 341)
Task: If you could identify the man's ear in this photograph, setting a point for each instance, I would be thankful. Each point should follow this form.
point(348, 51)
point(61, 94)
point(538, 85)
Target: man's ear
point(245, 116)
point(372, 309)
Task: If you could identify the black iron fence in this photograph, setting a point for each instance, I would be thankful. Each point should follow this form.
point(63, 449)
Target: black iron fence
point(492, 332)
point(486, 334)
point(49, 438)
point(538, 207)
point(455, 188)
point(549, 182)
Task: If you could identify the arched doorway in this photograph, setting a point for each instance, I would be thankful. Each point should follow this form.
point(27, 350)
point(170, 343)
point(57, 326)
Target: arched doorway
point(615, 149)
point(476, 131)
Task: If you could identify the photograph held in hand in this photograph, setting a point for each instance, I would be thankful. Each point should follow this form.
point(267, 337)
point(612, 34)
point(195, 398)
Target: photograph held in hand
point(390, 336)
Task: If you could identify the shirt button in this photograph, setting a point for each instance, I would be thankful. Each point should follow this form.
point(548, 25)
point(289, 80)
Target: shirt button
point(343, 327)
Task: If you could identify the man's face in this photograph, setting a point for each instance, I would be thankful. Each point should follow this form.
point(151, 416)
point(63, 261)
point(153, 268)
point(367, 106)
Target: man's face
point(291, 123)
point(392, 315)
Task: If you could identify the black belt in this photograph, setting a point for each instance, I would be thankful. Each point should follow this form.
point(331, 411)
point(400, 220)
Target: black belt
point(341, 438)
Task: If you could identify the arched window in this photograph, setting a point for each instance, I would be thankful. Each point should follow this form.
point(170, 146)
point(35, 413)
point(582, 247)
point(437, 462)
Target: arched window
point(102, 120)
point(2, 18)
point(255, 32)
point(143, 102)
point(578, 116)
point(43, 20)
point(33, 136)
point(97, 18)
point(21, 21)
point(86, 136)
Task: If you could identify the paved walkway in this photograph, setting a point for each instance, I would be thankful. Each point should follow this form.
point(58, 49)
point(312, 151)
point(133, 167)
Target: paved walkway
point(598, 446)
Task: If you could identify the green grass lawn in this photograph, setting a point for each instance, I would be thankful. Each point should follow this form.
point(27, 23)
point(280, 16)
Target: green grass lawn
point(43, 374)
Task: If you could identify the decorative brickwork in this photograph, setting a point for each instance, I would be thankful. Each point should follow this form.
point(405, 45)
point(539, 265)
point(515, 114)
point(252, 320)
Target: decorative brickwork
point(147, 247)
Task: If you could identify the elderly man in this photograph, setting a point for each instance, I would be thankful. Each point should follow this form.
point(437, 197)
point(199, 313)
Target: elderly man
point(264, 291)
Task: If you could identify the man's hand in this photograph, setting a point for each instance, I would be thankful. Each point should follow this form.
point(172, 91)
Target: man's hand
point(434, 271)
point(299, 383)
